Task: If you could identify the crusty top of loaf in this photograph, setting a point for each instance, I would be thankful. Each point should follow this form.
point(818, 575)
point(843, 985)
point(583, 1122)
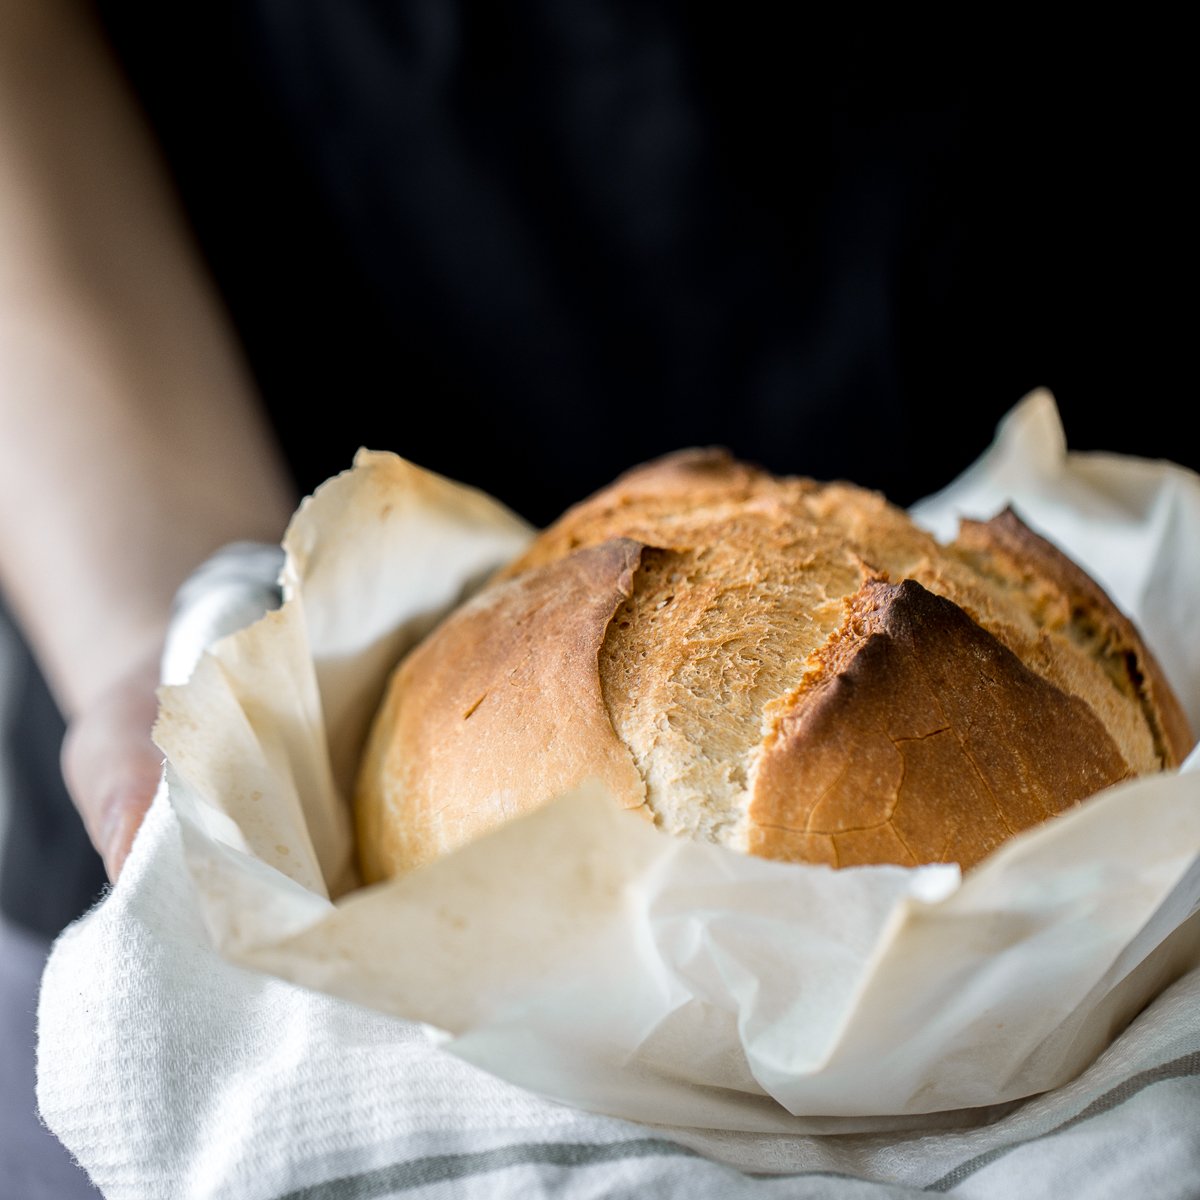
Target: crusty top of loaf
point(789, 668)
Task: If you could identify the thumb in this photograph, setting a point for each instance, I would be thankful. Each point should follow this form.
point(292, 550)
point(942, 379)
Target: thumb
point(110, 764)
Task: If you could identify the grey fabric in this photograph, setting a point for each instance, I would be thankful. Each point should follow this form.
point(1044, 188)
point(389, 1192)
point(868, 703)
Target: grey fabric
point(651, 1165)
point(33, 1163)
point(49, 873)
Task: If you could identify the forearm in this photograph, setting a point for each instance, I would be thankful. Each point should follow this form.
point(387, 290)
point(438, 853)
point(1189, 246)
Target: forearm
point(132, 443)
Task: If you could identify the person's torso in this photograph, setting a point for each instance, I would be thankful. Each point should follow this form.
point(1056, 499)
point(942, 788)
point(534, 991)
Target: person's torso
point(530, 245)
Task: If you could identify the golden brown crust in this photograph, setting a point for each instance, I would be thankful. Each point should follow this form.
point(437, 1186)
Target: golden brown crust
point(649, 501)
point(786, 667)
point(496, 712)
point(921, 739)
point(1095, 617)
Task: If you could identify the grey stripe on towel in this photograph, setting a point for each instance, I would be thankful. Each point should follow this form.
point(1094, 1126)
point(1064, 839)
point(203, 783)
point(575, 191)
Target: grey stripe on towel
point(441, 1168)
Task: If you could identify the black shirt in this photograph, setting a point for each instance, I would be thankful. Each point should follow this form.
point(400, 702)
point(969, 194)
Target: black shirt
point(530, 244)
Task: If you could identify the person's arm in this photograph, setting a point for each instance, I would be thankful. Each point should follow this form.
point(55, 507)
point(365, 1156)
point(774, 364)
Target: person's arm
point(131, 443)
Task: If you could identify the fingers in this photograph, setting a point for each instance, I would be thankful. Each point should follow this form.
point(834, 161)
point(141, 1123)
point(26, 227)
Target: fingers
point(109, 762)
point(111, 766)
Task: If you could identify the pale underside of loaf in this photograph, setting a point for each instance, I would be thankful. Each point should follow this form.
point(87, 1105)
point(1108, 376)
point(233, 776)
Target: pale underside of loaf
point(790, 669)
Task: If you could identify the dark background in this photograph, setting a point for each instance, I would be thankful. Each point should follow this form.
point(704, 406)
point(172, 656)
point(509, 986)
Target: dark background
point(531, 244)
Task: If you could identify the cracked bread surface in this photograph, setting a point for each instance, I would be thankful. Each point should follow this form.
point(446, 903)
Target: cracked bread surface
point(789, 668)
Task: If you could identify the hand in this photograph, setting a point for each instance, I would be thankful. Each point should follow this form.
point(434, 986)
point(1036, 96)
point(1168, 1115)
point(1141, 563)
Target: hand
point(110, 764)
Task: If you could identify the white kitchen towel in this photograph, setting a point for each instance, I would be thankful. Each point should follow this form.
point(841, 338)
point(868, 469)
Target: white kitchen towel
point(169, 1072)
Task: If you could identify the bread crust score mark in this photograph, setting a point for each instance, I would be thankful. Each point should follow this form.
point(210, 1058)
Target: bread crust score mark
point(922, 730)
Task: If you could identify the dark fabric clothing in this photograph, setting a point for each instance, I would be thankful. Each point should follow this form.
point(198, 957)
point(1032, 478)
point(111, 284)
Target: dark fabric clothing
point(49, 873)
point(531, 244)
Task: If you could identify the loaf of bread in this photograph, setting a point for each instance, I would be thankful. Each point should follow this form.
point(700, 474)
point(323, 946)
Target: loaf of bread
point(792, 669)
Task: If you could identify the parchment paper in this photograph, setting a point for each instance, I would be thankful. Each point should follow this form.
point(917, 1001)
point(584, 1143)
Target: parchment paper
point(586, 956)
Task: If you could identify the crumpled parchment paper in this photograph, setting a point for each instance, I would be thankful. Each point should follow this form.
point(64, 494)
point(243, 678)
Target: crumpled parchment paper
point(588, 957)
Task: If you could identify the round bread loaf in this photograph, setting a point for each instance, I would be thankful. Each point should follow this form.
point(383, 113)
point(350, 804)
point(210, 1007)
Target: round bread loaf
point(789, 668)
